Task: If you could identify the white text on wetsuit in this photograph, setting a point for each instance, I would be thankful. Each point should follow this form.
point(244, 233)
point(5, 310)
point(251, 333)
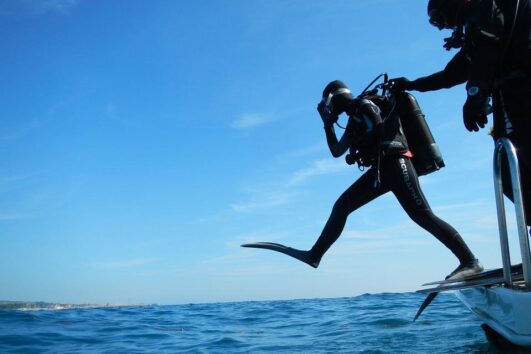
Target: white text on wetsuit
point(409, 185)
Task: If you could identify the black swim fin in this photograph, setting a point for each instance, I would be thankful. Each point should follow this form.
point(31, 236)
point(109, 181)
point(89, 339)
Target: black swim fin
point(426, 303)
point(302, 256)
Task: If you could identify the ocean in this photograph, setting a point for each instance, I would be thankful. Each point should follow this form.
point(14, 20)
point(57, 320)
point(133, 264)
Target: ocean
point(370, 323)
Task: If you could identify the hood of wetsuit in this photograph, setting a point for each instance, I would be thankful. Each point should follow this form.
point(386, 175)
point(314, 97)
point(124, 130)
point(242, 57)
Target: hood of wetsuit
point(448, 13)
point(336, 97)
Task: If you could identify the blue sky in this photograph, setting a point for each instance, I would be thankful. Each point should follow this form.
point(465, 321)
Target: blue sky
point(143, 141)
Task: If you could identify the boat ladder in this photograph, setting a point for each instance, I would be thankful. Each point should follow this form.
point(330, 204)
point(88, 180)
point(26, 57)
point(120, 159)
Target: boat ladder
point(505, 145)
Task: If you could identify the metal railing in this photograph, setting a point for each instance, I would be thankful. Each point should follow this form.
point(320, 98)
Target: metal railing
point(504, 144)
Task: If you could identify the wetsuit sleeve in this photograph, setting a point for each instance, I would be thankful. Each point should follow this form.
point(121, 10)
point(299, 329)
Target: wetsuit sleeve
point(338, 148)
point(365, 126)
point(485, 45)
point(455, 73)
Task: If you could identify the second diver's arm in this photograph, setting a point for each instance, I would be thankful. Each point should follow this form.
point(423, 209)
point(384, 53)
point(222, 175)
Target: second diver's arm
point(455, 73)
point(486, 46)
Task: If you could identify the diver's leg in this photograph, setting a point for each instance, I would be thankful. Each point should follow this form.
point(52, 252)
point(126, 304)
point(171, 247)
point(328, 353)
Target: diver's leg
point(517, 123)
point(525, 179)
point(358, 194)
point(405, 186)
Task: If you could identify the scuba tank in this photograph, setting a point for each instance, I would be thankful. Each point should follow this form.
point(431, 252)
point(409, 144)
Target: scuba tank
point(427, 157)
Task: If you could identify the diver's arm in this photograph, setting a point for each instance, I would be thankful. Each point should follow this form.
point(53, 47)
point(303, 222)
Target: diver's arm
point(338, 148)
point(486, 49)
point(486, 46)
point(483, 66)
point(455, 73)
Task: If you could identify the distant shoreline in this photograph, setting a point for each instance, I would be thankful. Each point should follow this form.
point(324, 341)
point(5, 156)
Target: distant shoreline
point(42, 305)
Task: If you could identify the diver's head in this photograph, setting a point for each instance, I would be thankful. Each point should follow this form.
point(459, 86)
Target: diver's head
point(336, 97)
point(448, 14)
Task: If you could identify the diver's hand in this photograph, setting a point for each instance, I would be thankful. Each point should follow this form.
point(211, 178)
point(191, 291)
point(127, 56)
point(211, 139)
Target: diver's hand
point(401, 84)
point(476, 109)
point(351, 159)
point(327, 117)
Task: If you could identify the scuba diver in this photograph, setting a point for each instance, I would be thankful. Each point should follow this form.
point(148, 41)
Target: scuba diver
point(374, 138)
point(494, 59)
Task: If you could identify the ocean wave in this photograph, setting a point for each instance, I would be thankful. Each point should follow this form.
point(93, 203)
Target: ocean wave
point(370, 323)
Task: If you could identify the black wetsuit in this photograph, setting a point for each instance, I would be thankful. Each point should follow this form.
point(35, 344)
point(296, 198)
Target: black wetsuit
point(500, 68)
point(364, 133)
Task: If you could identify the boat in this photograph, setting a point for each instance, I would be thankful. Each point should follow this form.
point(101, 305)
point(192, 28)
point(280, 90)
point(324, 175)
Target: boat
point(501, 298)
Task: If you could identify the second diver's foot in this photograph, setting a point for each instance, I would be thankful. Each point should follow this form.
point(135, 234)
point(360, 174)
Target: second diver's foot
point(465, 269)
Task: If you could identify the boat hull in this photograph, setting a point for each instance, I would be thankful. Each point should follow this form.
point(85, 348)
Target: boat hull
point(507, 311)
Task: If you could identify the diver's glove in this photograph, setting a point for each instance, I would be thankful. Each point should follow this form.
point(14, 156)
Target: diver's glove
point(328, 118)
point(362, 159)
point(476, 109)
point(351, 159)
point(402, 84)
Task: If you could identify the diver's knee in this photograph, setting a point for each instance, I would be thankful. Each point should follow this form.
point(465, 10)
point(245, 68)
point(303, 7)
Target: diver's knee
point(340, 208)
point(423, 218)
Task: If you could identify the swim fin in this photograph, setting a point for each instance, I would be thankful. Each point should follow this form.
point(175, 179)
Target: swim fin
point(427, 301)
point(302, 256)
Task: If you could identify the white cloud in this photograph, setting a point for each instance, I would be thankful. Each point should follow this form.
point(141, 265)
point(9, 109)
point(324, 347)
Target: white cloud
point(110, 110)
point(462, 206)
point(387, 245)
point(10, 217)
point(277, 195)
point(23, 130)
point(404, 229)
point(44, 6)
point(129, 263)
point(261, 202)
point(364, 235)
point(229, 259)
point(251, 237)
point(250, 121)
point(303, 152)
point(318, 168)
point(13, 179)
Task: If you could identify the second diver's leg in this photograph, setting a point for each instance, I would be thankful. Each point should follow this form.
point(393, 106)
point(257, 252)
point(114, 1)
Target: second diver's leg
point(358, 194)
point(405, 186)
point(516, 114)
